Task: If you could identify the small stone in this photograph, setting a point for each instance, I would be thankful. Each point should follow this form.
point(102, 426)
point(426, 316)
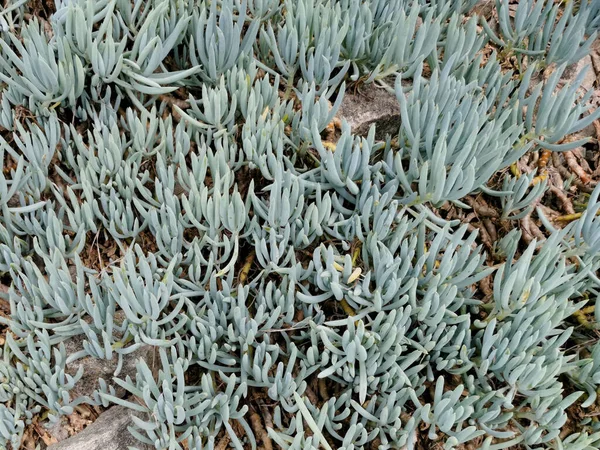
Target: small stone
point(372, 105)
point(108, 432)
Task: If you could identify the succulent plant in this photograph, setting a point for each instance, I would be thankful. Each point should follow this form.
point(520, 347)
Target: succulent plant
point(174, 177)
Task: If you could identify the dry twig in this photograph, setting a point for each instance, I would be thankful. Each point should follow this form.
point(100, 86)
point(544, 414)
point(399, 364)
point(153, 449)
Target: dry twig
point(575, 167)
point(260, 431)
point(565, 202)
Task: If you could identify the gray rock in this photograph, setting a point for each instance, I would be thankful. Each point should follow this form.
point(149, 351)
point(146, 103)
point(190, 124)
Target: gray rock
point(371, 105)
point(108, 432)
point(483, 8)
point(591, 82)
point(94, 368)
point(59, 430)
point(571, 72)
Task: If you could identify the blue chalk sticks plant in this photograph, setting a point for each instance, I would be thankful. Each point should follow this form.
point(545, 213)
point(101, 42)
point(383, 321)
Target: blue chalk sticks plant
point(179, 176)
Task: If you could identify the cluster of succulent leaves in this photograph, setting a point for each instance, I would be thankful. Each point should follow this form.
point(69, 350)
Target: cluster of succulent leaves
point(258, 260)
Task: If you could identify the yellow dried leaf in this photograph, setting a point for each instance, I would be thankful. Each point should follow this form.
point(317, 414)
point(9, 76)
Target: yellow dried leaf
point(354, 275)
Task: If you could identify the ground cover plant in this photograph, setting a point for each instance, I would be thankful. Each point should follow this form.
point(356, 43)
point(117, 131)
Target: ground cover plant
point(177, 179)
